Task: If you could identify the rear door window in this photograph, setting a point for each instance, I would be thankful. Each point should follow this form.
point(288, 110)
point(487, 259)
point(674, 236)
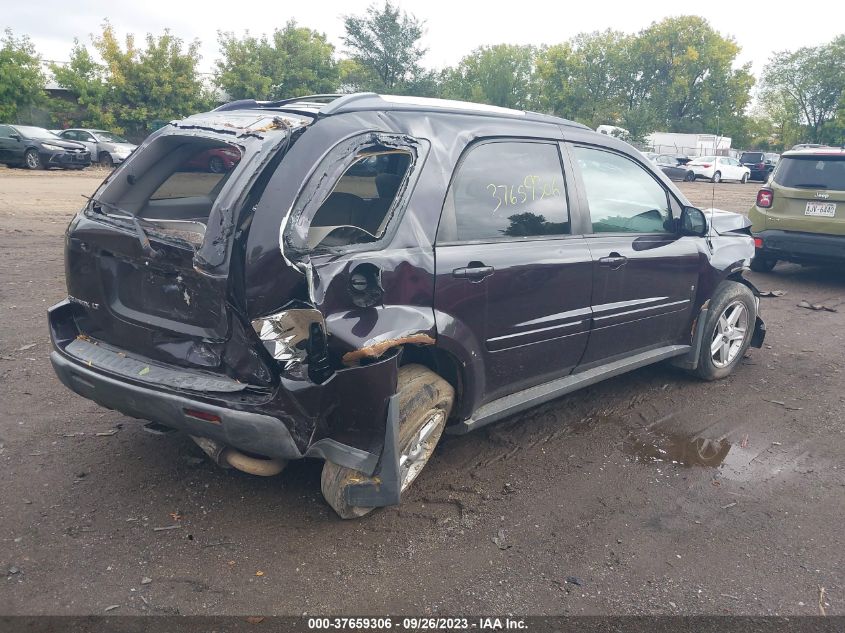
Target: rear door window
point(622, 196)
point(357, 209)
point(811, 172)
point(506, 190)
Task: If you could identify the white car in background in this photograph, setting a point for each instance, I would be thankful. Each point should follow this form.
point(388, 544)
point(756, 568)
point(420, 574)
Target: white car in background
point(718, 168)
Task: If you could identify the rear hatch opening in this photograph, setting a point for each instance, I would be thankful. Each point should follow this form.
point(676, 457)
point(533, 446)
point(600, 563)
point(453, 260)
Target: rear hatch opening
point(172, 186)
point(151, 261)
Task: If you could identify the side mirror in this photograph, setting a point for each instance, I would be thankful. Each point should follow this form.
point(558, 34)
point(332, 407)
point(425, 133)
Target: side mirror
point(17, 137)
point(693, 222)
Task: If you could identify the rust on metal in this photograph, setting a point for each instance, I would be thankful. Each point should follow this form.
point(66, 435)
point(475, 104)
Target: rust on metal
point(377, 349)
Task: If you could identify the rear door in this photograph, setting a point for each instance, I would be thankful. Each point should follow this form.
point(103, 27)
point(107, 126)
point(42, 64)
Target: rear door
point(809, 194)
point(644, 274)
point(512, 280)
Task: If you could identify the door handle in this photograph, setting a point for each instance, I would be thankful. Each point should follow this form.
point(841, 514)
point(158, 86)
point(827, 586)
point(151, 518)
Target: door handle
point(476, 273)
point(614, 261)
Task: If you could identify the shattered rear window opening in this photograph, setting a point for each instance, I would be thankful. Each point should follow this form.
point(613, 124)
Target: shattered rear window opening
point(171, 187)
point(357, 209)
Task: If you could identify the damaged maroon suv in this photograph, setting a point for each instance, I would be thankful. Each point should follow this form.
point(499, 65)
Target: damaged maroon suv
point(373, 271)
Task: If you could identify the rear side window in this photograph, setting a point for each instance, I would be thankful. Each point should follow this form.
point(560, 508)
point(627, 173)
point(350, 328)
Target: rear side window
point(811, 172)
point(357, 209)
point(507, 189)
point(623, 197)
point(752, 157)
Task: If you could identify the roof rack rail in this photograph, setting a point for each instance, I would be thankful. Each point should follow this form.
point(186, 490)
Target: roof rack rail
point(251, 104)
point(345, 100)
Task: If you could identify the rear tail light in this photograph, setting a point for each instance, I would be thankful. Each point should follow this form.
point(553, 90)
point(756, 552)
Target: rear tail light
point(765, 198)
point(761, 165)
point(203, 415)
point(705, 165)
point(758, 242)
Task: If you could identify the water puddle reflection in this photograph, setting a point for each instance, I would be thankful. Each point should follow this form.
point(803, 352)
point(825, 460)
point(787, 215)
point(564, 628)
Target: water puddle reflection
point(648, 445)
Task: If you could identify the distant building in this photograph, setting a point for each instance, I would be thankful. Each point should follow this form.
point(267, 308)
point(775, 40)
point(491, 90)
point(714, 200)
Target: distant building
point(689, 144)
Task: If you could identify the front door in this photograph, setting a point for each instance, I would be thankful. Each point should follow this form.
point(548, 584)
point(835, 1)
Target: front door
point(644, 274)
point(512, 281)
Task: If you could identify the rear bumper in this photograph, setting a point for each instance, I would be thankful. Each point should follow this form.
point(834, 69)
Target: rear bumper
point(801, 247)
point(253, 432)
point(342, 420)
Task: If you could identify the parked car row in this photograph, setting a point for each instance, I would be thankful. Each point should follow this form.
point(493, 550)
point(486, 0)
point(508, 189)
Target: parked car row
point(752, 165)
point(37, 148)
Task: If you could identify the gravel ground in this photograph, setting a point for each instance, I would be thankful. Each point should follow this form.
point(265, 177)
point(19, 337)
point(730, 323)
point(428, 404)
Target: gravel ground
point(650, 493)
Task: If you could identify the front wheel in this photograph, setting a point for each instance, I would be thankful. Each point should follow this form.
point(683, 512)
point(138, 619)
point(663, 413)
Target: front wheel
point(31, 159)
point(727, 331)
point(717, 177)
point(744, 178)
point(106, 160)
point(425, 401)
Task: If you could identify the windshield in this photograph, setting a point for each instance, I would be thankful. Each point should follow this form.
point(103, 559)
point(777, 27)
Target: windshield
point(704, 159)
point(811, 172)
point(110, 137)
point(27, 131)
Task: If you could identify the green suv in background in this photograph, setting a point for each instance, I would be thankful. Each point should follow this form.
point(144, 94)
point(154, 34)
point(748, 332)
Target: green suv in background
point(799, 216)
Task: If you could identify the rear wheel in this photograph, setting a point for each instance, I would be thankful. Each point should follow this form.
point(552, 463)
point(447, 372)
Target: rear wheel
point(31, 159)
point(425, 400)
point(689, 176)
point(717, 177)
point(760, 264)
point(727, 332)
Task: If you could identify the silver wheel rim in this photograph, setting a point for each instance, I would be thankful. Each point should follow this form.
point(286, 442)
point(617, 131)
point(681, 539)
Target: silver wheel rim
point(31, 160)
point(416, 453)
point(729, 334)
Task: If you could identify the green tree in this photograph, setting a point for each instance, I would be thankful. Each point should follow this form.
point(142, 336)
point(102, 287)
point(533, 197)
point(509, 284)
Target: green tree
point(295, 61)
point(501, 75)
point(137, 87)
point(687, 68)
point(809, 83)
point(85, 79)
point(21, 77)
point(384, 42)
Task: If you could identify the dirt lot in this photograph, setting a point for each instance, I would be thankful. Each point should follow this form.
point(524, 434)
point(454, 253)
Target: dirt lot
point(573, 508)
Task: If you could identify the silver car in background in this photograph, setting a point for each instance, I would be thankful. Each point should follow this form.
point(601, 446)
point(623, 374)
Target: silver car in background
point(107, 148)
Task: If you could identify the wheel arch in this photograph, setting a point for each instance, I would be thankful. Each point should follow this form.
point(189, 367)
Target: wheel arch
point(446, 365)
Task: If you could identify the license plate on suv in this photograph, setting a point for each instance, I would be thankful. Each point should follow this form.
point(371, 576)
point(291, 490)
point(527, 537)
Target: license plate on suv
point(822, 209)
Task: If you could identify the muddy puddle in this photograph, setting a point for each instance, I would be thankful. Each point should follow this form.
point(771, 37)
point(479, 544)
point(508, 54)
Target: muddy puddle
point(647, 445)
point(741, 445)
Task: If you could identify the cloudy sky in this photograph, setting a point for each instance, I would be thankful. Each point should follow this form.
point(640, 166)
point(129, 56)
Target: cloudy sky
point(453, 28)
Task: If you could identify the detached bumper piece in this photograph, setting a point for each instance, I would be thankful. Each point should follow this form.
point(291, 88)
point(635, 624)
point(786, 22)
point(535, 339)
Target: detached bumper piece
point(385, 486)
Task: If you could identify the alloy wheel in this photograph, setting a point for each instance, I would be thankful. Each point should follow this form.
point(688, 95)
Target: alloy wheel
point(729, 334)
point(419, 448)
